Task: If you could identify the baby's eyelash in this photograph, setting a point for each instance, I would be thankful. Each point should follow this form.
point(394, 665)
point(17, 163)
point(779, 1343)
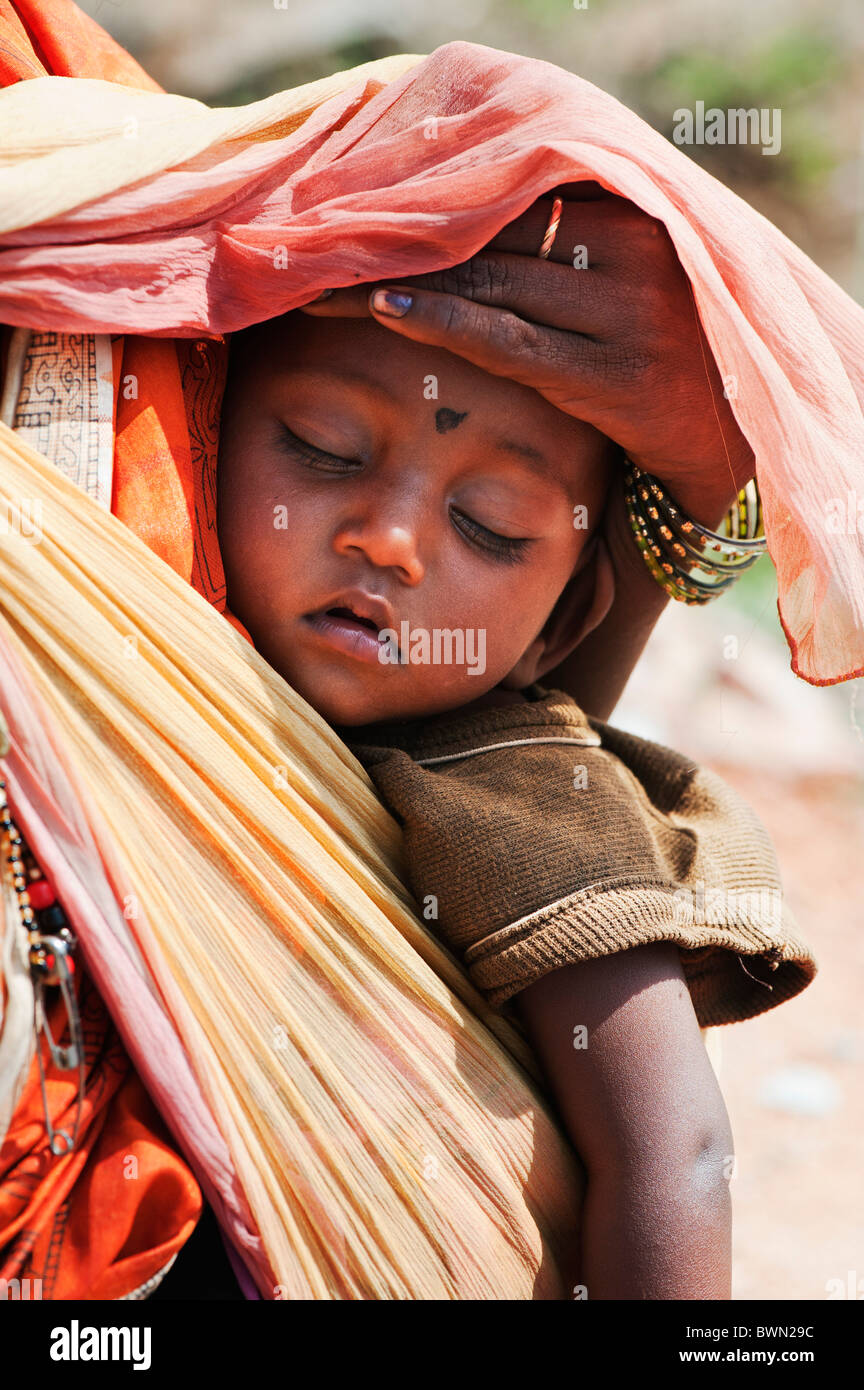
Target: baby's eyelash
point(510, 549)
point(288, 441)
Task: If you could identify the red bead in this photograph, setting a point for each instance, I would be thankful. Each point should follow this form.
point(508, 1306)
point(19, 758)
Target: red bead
point(41, 894)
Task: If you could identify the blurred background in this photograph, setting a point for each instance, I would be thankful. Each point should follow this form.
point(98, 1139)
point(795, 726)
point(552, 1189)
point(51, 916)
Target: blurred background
point(792, 1078)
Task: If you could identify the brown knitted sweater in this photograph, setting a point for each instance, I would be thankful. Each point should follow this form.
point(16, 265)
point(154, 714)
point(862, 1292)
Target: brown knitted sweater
point(536, 835)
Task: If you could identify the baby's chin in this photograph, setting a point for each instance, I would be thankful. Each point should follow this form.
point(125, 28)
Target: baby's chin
point(350, 703)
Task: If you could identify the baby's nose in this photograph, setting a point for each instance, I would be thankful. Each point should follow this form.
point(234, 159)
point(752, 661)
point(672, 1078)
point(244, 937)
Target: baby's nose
point(387, 543)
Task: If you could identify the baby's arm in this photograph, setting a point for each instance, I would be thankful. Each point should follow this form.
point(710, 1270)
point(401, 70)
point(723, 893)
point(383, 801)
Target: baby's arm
point(643, 1107)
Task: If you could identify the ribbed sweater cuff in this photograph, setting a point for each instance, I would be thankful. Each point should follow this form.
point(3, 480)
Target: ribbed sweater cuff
point(612, 917)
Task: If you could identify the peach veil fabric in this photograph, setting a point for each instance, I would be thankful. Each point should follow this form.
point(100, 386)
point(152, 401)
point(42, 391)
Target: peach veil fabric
point(138, 212)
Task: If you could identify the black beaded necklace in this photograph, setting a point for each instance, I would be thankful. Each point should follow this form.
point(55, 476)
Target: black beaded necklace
point(51, 946)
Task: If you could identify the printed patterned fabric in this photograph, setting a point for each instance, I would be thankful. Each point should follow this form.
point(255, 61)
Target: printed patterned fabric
point(77, 1226)
point(65, 405)
point(100, 1221)
point(168, 400)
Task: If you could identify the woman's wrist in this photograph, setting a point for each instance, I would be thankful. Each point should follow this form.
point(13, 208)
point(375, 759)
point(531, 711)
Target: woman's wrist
point(596, 673)
point(705, 503)
point(705, 490)
point(703, 499)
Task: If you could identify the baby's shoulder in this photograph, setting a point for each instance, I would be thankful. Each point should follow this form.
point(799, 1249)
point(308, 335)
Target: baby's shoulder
point(541, 835)
point(539, 779)
point(465, 741)
point(526, 762)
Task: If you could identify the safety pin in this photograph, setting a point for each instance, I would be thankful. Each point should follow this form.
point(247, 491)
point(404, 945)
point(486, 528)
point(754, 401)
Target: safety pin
point(50, 964)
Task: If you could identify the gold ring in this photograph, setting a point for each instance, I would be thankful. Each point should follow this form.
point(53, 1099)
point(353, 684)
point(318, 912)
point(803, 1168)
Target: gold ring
point(551, 229)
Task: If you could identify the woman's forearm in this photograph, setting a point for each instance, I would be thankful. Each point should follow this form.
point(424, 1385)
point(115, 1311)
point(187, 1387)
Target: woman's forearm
point(596, 673)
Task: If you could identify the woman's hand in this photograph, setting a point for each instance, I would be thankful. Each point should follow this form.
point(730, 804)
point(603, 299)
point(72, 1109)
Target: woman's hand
point(616, 343)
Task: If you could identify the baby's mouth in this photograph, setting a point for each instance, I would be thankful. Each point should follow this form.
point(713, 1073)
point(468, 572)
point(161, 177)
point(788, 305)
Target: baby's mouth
point(343, 630)
point(348, 615)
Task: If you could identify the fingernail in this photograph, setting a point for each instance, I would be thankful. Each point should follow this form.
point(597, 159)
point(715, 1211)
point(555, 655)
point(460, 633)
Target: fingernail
point(392, 302)
point(325, 294)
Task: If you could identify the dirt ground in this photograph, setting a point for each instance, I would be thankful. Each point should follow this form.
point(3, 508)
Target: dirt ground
point(793, 1077)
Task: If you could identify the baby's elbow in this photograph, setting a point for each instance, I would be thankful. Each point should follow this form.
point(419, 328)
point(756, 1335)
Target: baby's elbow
point(698, 1158)
point(711, 1165)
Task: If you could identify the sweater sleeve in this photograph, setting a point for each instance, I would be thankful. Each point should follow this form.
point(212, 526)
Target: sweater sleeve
point(526, 858)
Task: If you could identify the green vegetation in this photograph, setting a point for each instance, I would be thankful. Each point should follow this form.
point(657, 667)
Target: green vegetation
point(790, 67)
point(795, 73)
point(310, 68)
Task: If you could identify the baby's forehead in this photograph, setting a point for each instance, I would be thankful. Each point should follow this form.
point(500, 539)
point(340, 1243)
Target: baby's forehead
point(422, 379)
point(362, 345)
point(373, 373)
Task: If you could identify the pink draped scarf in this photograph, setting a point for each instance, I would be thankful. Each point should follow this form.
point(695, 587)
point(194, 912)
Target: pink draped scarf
point(419, 174)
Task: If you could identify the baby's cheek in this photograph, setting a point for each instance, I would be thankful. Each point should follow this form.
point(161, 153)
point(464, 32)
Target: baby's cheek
point(492, 648)
point(250, 560)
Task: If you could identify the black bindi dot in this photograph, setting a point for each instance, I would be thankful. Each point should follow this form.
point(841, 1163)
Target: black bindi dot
point(448, 419)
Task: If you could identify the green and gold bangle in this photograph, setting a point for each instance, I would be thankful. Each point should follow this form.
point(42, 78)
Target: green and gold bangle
point(672, 543)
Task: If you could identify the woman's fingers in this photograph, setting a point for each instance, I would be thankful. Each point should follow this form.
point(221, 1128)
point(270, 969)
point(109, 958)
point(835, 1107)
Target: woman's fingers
point(605, 233)
point(349, 303)
point(607, 257)
point(556, 363)
point(524, 234)
point(606, 329)
point(352, 301)
point(541, 291)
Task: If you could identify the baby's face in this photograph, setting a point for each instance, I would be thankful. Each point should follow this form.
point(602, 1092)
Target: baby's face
point(359, 470)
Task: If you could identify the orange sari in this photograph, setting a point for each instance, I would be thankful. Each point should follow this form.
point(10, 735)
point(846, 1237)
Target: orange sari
point(84, 1225)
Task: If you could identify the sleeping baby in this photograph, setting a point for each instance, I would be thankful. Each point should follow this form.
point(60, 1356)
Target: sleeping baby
point(408, 538)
